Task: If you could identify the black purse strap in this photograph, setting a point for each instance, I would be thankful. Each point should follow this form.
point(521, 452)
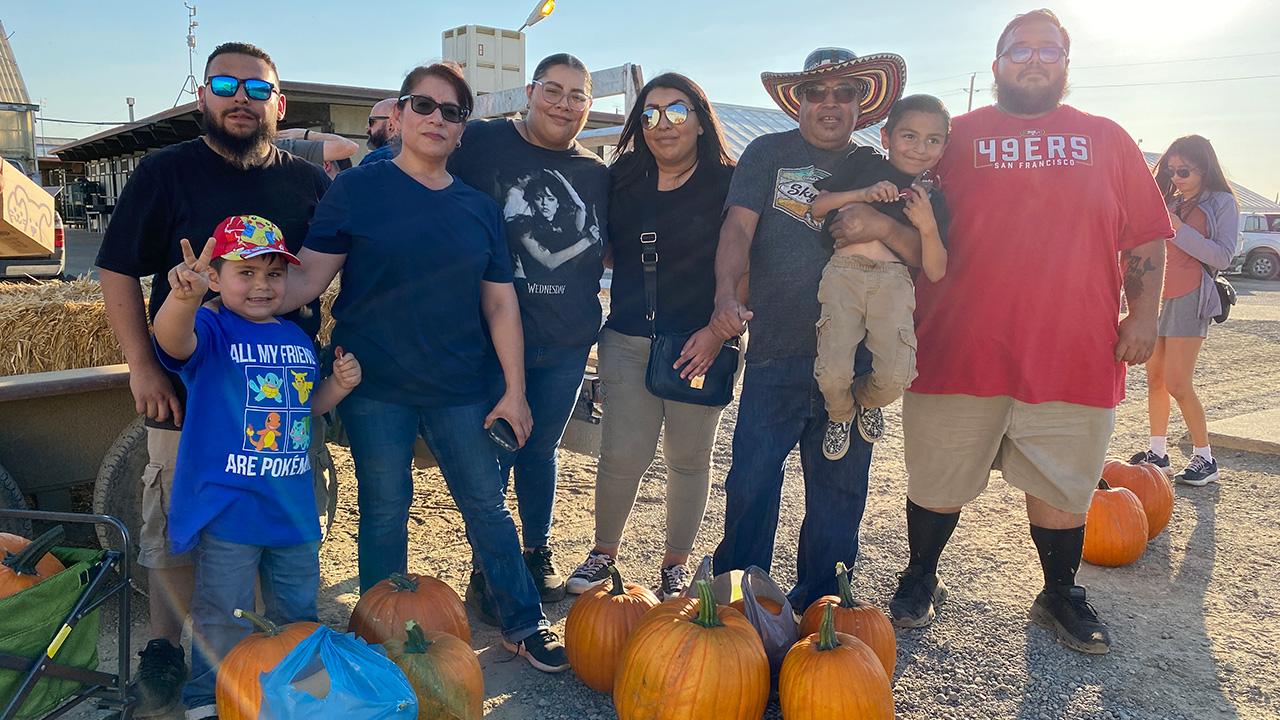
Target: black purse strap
point(649, 256)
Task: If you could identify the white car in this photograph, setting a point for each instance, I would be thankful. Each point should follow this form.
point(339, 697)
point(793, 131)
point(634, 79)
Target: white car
point(1259, 254)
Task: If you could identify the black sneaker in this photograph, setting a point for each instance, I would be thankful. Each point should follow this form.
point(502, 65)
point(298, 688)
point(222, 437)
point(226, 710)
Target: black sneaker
point(592, 572)
point(675, 580)
point(161, 672)
point(543, 650)
point(914, 602)
point(1067, 613)
point(835, 443)
point(870, 423)
point(549, 583)
point(1149, 456)
point(1199, 472)
point(479, 600)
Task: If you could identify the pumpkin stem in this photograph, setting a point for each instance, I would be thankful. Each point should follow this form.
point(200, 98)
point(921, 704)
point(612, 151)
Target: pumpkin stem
point(264, 625)
point(416, 641)
point(827, 630)
point(25, 560)
point(403, 583)
point(842, 582)
point(616, 576)
point(707, 617)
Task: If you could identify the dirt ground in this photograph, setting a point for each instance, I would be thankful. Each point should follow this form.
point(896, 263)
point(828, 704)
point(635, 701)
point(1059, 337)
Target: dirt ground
point(1195, 622)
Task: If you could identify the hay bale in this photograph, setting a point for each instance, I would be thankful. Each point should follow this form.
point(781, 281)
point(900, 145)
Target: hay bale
point(55, 325)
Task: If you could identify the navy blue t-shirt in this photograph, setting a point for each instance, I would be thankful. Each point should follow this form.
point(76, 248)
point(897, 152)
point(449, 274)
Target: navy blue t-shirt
point(555, 205)
point(243, 473)
point(409, 306)
point(865, 167)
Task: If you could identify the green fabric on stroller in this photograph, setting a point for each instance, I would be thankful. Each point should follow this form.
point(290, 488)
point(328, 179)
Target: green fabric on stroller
point(30, 621)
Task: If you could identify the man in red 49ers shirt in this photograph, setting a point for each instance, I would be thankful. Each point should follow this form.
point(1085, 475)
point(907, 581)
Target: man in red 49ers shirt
point(1022, 353)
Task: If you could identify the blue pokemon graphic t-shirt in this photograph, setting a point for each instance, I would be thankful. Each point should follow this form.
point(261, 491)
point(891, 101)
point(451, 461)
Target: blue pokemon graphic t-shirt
point(243, 472)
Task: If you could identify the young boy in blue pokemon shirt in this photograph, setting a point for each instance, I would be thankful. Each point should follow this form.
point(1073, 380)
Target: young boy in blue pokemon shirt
point(243, 496)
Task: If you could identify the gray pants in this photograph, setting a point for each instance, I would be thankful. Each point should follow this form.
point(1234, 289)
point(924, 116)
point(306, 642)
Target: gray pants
point(633, 417)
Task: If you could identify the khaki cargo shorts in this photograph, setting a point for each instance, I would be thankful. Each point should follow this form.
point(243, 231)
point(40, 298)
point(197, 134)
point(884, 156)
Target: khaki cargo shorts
point(157, 489)
point(1052, 451)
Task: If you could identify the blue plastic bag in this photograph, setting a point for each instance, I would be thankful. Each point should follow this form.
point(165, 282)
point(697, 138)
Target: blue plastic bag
point(330, 675)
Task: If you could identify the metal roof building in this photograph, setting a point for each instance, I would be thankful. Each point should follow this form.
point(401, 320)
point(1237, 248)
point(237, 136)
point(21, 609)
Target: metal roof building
point(17, 112)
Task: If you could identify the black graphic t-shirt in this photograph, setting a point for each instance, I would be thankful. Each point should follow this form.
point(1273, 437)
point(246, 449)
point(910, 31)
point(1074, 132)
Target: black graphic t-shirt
point(865, 167)
point(555, 209)
point(184, 191)
point(687, 221)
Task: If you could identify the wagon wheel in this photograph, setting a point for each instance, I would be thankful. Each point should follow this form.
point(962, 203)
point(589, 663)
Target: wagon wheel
point(11, 499)
point(118, 490)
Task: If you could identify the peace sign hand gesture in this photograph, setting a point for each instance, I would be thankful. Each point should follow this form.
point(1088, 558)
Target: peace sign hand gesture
point(189, 279)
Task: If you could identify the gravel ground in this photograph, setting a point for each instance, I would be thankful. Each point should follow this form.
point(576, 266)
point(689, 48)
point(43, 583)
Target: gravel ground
point(1194, 621)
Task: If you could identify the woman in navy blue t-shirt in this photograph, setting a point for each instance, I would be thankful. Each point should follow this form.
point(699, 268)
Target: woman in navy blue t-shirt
point(425, 268)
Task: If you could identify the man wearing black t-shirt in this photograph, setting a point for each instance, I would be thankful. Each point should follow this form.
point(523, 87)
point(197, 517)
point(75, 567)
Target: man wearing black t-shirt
point(184, 191)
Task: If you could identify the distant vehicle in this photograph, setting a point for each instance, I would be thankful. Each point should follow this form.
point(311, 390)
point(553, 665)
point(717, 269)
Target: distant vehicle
point(39, 267)
point(1259, 252)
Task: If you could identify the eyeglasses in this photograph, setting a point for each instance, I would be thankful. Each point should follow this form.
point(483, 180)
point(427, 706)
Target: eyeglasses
point(676, 113)
point(1048, 55)
point(1182, 172)
point(425, 105)
point(844, 94)
point(226, 86)
point(553, 94)
point(377, 118)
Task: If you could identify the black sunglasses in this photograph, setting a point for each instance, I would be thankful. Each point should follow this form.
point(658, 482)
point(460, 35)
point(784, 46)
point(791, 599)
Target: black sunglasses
point(375, 118)
point(425, 105)
point(1182, 172)
point(227, 86)
point(844, 94)
point(676, 113)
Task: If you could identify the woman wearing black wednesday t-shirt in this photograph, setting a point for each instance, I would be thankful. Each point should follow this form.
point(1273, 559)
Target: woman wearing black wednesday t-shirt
point(671, 176)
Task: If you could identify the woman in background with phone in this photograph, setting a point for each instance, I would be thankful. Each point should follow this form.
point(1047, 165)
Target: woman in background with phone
point(1206, 218)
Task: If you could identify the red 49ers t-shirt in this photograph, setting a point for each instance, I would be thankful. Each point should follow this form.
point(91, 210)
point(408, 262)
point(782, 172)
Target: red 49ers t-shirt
point(1030, 304)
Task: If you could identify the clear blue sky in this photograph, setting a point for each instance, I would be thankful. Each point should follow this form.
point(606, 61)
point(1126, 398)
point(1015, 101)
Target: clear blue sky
point(82, 58)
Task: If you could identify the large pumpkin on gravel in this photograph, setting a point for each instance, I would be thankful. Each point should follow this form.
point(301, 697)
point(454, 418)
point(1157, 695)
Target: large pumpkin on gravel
point(854, 617)
point(27, 562)
point(238, 689)
point(1115, 530)
point(1149, 483)
point(598, 625)
point(384, 609)
point(829, 675)
point(711, 666)
point(443, 672)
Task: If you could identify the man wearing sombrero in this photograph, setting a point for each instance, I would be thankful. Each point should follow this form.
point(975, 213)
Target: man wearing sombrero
point(768, 221)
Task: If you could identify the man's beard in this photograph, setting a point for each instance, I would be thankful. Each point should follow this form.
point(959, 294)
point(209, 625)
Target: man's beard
point(243, 152)
point(1020, 101)
point(378, 138)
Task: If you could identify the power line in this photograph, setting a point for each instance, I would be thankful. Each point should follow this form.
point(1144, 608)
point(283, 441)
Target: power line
point(1176, 82)
point(89, 122)
point(1115, 65)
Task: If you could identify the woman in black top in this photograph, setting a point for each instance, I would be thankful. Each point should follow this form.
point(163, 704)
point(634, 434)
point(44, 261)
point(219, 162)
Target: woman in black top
point(671, 176)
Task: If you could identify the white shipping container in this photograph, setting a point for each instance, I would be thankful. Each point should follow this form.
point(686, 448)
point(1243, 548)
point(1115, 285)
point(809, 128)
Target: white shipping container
point(492, 59)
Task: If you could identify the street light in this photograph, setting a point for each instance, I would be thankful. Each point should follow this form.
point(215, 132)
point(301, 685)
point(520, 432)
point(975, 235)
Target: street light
point(540, 11)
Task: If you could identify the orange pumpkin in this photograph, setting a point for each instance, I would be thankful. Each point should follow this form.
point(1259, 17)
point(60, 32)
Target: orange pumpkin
point(1153, 489)
point(771, 606)
point(1115, 530)
point(27, 562)
point(443, 672)
point(833, 675)
point(598, 625)
point(854, 617)
point(711, 665)
point(238, 689)
point(384, 609)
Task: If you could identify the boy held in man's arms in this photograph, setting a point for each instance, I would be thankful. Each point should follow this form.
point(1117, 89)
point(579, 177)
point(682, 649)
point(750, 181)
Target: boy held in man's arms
point(243, 498)
point(866, 290)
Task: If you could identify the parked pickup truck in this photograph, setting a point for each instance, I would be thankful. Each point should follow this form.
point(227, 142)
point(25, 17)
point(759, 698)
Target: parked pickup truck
point(40, 267)
point(1259, 254)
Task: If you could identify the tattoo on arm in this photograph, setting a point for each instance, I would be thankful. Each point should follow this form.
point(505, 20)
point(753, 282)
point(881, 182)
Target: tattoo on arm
point(1135, 270)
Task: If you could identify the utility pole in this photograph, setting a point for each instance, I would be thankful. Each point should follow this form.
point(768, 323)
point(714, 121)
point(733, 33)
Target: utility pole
point(972, 78)
point(190, 84)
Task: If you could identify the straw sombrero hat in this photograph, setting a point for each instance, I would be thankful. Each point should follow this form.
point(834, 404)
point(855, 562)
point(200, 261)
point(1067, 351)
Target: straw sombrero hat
point(883, 76)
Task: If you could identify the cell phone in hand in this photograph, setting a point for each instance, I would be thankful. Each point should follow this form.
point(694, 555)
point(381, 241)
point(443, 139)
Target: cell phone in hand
point(502, 435)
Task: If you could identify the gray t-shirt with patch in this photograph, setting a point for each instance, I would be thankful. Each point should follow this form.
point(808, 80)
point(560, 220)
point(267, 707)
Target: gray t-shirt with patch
point(775, 178)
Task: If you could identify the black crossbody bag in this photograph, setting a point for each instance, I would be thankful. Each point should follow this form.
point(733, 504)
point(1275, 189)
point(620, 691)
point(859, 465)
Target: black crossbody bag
point(1226, 291)
point(715, 388)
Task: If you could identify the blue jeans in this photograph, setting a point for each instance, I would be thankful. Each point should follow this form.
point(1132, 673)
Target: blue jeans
point(224, 578)
point(382, 436)
point(552, 376)
point(780, 406)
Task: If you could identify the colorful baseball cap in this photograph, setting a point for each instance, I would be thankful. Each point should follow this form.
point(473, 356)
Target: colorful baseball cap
point(241, 237)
